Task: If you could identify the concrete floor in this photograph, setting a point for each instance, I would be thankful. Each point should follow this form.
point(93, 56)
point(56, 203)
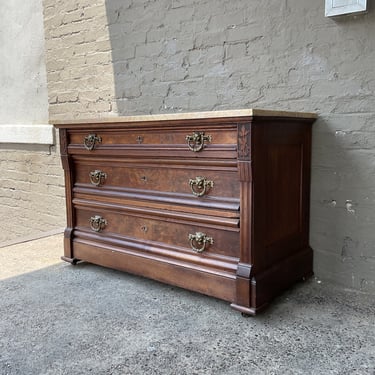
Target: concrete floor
point(59, 319)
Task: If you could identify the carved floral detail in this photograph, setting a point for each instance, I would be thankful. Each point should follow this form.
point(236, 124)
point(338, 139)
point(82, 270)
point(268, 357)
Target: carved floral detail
point(243, 142)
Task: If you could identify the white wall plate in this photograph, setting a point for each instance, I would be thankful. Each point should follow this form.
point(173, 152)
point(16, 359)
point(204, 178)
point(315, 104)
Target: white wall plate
point(342, 7)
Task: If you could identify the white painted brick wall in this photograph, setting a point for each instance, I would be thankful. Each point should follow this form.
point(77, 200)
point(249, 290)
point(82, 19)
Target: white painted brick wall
point(31, 190)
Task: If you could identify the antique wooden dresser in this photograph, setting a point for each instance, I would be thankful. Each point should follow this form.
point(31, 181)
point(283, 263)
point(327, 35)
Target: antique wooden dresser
point(214, 202)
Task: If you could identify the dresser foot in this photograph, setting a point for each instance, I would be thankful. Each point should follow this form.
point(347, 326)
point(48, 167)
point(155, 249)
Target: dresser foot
point(72, 261)
point(245, 311)
point(248, 311)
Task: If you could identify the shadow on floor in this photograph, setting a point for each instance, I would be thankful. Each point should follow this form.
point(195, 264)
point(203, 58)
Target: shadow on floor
point(85, 319)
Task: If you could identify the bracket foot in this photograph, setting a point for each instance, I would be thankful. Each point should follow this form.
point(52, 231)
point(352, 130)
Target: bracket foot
point(72, 261)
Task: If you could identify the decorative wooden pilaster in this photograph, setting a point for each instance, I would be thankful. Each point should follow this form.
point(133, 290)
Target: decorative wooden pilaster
point(66, 164)
point(243, 293)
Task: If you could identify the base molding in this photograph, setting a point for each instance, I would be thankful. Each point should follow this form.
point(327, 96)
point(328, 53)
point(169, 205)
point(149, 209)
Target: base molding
point(267, 285)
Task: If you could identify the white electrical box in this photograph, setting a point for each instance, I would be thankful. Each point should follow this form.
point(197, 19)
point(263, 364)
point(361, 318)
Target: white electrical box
point(344, 7)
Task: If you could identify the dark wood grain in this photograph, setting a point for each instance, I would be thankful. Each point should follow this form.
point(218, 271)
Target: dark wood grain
point(167, 178)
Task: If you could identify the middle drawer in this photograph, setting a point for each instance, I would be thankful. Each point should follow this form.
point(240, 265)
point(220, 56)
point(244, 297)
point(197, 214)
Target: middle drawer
point(203, 181)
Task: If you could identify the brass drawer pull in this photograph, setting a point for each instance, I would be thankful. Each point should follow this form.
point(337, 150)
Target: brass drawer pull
point(196, 141)
point(97, 223)
point(199, 240)
point(91, 140)
point(97, 177)
point(200, 186)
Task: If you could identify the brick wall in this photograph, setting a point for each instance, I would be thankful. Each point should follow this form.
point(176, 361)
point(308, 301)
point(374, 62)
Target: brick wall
point(147, 56)
point(32, 191)
point(78, 59)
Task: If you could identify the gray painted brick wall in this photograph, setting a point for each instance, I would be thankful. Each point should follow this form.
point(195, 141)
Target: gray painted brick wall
point(106, 58)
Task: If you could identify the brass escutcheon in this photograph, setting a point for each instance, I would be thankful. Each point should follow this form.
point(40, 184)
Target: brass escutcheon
point(90, 141)
point(200, 186)
point(199, 240)
point(97, 177)
point(97, 223)
point(196, 141)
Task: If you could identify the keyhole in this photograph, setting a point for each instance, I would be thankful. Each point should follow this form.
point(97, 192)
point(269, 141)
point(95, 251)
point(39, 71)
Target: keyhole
point(144, 228)
point(139, 139)
point(144, 178)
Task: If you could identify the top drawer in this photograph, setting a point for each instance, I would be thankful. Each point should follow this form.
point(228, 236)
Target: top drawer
point(200, 141)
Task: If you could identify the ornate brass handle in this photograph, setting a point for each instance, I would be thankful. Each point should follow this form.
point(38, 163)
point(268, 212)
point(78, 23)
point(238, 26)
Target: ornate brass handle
point(199, 240)
point(97, 177)
point(97, 223)
point(196, 141)
point(200, 186)
point(91, 140)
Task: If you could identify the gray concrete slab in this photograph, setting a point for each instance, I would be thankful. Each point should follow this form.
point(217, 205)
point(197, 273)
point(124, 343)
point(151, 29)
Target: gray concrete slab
point(61, 319)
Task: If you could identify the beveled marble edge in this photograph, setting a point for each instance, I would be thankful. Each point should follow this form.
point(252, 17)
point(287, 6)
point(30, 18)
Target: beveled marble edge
point(188, 116)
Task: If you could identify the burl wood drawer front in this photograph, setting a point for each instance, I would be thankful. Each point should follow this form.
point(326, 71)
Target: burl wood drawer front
point(212, 235)
point(197, 141)
point(193, 181)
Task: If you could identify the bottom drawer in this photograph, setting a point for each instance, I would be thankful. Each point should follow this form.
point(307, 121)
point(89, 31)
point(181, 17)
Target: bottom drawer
point(209, 236)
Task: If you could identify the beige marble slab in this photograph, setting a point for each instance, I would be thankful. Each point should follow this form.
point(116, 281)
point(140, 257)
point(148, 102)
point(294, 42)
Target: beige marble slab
point(188, 116)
